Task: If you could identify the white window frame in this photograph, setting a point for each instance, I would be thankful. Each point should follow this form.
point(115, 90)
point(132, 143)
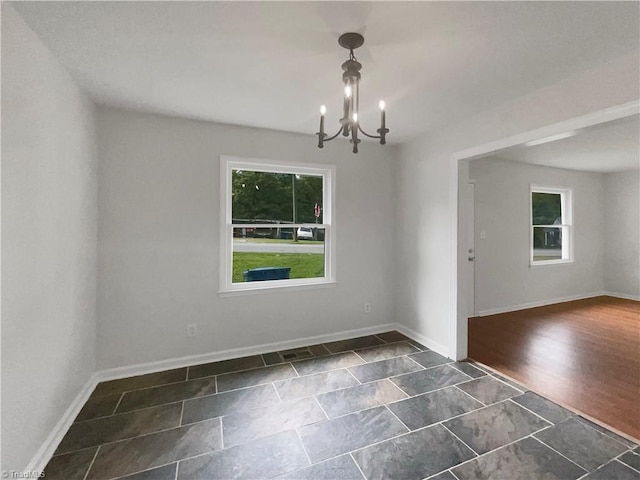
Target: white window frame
point(566, 205)
point(230, 163)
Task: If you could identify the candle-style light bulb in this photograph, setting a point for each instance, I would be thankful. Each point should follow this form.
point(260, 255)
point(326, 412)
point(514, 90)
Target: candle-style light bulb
point(347, 91)
point(354, 132)
point(383, 127)
point(323, 110)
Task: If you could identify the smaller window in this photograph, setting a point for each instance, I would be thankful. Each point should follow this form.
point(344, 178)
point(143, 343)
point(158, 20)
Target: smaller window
point(551, 229)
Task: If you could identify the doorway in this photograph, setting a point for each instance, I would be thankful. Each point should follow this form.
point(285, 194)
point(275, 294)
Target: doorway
point(460, 163)
point(510, 289)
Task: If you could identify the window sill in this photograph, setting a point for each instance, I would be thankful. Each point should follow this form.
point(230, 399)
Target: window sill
point(545, 263)
point(275, 288)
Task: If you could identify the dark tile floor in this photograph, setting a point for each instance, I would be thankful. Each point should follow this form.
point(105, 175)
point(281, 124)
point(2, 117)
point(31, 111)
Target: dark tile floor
point(376, 407)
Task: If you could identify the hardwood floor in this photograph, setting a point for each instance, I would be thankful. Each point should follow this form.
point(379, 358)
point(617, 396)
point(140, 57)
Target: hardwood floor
point(583, 354)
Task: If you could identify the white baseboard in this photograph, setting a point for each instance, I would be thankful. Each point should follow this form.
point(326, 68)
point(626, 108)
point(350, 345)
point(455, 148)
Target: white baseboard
point(46, 451)
point(541, 303)
point(49, 446)
point(168, 364)
point(624, 296)
point(427, 342)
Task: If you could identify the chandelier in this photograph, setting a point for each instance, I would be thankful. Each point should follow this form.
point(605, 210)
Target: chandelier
point(349, 123)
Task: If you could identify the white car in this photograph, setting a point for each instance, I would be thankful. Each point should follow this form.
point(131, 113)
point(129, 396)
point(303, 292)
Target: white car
point(305, 233)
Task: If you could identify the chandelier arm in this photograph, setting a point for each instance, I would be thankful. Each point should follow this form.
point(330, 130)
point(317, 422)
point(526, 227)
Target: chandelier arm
point(331, 138)
point(366, 134)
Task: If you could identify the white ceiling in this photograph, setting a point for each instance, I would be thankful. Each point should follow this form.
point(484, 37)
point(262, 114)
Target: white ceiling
point(609, 147)
point(272, 64)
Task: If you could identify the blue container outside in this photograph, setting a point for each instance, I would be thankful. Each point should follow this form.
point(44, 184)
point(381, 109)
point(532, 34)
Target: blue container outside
point(266, 273)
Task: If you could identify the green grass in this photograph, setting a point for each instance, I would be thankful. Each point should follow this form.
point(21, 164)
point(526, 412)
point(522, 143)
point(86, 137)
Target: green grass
point(303, 265)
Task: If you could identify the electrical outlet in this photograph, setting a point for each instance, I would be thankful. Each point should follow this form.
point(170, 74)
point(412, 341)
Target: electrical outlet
point(192, 330)
point(367, 307)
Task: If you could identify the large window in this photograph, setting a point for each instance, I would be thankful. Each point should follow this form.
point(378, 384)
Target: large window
point(276, 224)
point(551, 232)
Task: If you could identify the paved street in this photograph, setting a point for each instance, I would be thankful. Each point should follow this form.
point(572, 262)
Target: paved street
point(302, 247)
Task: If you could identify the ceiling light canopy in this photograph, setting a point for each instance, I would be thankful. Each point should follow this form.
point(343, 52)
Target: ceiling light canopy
point(349, 123)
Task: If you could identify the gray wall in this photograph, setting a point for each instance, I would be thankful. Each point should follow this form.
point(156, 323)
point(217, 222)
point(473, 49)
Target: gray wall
point(622, 233)
point(159, 239)
point(48, 242)
point(503, 276)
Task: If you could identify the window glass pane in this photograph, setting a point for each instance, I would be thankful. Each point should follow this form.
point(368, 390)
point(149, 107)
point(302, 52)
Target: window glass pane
point(263, 197)
point(547, 243)
point(308, 194)
point(272, 254)
point(547, 208)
